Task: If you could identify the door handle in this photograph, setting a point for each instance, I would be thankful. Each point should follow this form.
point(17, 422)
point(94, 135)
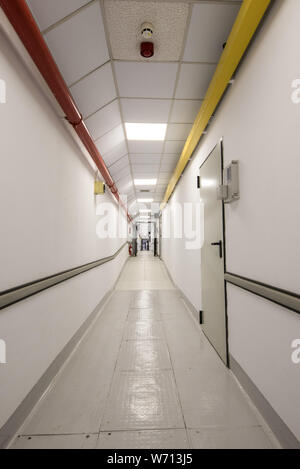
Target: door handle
point(220, 244)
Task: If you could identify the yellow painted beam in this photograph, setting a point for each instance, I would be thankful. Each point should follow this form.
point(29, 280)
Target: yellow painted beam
point(247, 22)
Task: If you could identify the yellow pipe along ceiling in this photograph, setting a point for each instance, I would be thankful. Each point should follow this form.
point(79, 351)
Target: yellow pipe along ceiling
point(250, 15)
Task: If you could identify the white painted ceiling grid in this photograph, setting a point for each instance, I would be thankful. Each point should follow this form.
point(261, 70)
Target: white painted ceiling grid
point(96, 47)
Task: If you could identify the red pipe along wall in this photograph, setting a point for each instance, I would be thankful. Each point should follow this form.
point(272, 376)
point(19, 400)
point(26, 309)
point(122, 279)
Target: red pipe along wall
point(19, 15)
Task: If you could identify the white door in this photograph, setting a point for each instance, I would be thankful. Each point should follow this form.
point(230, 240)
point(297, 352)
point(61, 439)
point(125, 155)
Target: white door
point(212, 255)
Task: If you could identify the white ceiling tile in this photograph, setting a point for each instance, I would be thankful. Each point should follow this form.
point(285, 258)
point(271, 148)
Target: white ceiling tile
point(164, 177)
point(178, 131)
point(115, 153)
point(49, 13)
point(194, 80)
point(122, 174)
point(168, 164)
point(174, 147)
point(170, 156)
point(81, 36)
point(146, 110)
point(146, 80)
point(111, 142)
point(127, 193)
point(118, 173)
point(145, 147)
point(145, 169)
point(119, 164)
point(161, 187)
point(145, 172)
point(209, 30)
point(185, 111)
point(95, 91)
point(104, 120)
point(145, 159)
point(168, 167)
point(124, 19)
point(125, 185)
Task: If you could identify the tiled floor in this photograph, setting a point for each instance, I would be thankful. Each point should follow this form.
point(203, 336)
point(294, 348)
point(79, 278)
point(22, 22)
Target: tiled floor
point(145, 377)
point(145, 273)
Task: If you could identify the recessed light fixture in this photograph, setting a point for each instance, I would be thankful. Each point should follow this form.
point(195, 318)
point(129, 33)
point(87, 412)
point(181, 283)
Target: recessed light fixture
point(145, 201)
point(145, 182)
point(146, 131)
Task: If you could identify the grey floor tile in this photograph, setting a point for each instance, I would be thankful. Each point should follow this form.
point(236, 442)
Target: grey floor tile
point(213, 399)
point(144, 299)
point(76, 401)
point(151, 439)
point(144, 314)
point(230, 438)
point(144, 355)
point(144, 330)
point(141, 401)
point(56, 442)
point(120, 300)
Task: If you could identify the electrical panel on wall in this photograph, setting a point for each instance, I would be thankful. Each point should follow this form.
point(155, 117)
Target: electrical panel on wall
point(230, 190)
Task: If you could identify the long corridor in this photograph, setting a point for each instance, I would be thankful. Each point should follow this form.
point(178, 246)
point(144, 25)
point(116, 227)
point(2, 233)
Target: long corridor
point(144, 376)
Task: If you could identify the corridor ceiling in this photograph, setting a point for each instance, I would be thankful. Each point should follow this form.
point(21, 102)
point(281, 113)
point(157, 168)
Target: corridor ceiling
point(96, 47)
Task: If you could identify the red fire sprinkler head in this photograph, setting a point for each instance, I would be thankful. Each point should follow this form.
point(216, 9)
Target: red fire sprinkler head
point(147, 50)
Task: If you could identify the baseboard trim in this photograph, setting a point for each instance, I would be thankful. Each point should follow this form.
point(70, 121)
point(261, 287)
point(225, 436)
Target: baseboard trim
point(284, 435)
point(12, 426)
point(10, 429)
point(189, 305)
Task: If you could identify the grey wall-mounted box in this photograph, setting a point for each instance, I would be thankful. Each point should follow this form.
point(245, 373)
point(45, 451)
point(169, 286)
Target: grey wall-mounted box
point(230, 190)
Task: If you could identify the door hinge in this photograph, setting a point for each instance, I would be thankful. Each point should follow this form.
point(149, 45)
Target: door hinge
point(198, 182)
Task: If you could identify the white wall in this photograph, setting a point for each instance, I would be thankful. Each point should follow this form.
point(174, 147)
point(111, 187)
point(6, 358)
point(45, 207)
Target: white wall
point(260, 127)
point(48, 224)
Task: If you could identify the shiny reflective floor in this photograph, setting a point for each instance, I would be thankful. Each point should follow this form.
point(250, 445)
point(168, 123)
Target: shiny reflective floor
point(145, 377)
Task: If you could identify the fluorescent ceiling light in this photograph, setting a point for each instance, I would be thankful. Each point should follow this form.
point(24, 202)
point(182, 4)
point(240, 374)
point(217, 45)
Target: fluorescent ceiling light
point(145, 182)
point(146, 131)
point(141, 201)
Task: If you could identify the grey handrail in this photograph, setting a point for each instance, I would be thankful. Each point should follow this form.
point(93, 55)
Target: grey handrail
point(281, 297)
point(14, 295)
